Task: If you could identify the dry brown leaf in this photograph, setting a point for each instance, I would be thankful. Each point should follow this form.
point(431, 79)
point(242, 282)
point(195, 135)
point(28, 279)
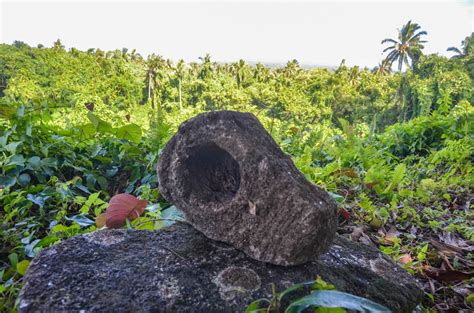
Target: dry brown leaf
point(100, 220)
point(445, 275)
point(445, 249)
point(391, 236)
point(357, 232)
point(405, 259)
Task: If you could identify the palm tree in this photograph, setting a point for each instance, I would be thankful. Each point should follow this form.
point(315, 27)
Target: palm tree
point(206, 66)
point(261, 72)
point(58, 45)
point(383, 68)
point(125, 54)
point(154, 64)
point(291, 69)
point(407, 47)
point(466, 49)
point(240, 70)
point(135, 56)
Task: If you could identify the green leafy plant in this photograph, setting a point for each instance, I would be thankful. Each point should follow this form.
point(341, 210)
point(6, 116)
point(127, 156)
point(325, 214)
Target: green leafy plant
point(393, 149)
point(323, 296)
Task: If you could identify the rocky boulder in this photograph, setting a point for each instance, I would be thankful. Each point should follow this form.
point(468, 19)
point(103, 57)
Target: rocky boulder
point(180, 270)
point(235, 185)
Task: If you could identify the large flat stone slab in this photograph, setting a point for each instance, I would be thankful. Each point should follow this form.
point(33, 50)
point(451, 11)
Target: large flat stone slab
point(180, 270)
point(234, 184)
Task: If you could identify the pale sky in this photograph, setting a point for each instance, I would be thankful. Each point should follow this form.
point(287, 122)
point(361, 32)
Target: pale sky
point(316, 32)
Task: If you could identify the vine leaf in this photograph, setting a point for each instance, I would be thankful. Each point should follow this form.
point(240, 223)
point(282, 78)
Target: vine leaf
point(121, 207)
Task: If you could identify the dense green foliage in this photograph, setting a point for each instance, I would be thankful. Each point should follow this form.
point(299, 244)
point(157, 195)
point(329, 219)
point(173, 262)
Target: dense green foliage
point(394, 149)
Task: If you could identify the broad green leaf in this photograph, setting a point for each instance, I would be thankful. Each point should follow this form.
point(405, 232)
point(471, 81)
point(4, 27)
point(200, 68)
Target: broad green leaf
point(320, 284)
point(30, 248)
point(17, 160)
point(24, 179)
point(171, 213)
point(47, 241)
point(131, 132)
point(294, 288)
point(330, 310)
point(6, 181)
point(37, 199)
point(22, 267)
point(34, 162)
point(335, 196)
point(49, 162)
point(13, 257)
point(11, 147)
point(144, 223)
point(103, 183)
point(90, 181)
point(81, 220)
point(254, 307)
point(100, 125)
point(86, 130)
point(335, 299)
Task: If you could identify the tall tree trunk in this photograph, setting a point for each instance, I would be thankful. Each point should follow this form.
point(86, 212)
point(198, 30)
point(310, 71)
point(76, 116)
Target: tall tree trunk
point(153, 99)
point(180, 99)
point(150, 95)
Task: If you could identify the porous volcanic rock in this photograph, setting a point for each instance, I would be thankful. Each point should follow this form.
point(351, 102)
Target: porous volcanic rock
point(180, 270)
point(234, 184)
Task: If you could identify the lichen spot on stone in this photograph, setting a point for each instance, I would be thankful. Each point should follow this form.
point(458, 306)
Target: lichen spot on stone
point(238, 279)
point(23, 304)
point(105, 238)
point(169, 288)
point(379, 265)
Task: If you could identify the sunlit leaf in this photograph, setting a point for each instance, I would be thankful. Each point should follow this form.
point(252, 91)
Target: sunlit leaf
point(131, 132)
point(22, 266)
point(100, 125)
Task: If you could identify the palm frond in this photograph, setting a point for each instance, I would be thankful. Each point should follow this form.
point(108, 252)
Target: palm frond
point(388, 48)
point(454, 49)
point(400, 62)
point(389, 40)
point(392, 57)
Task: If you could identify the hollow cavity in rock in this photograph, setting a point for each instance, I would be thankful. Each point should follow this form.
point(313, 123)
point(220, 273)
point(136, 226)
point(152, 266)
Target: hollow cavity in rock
point(211, 173)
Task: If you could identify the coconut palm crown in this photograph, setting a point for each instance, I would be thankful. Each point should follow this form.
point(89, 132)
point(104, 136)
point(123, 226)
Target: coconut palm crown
point(407, 47)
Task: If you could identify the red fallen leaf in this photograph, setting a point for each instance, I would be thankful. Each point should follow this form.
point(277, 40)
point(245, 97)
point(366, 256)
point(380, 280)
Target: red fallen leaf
point(122, 207)
point(345, 214)
point(446, 275)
